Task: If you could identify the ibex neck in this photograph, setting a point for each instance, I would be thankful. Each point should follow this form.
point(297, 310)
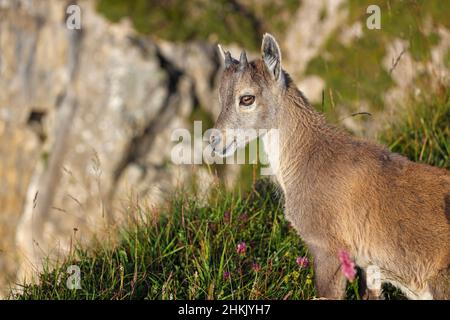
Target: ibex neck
point(305, 139)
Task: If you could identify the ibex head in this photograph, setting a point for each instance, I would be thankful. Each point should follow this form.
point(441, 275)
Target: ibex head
point(249, 95)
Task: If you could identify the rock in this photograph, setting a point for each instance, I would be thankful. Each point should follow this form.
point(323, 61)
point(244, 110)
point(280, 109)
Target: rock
point(314, 22)
point(129, 94)
point(312, 87)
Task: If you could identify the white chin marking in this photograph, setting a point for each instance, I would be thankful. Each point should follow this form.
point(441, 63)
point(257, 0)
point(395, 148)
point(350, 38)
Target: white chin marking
point(227, 151)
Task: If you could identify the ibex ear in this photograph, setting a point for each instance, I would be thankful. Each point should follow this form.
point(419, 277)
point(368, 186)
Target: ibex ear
point(226, 56)
point(271, 55)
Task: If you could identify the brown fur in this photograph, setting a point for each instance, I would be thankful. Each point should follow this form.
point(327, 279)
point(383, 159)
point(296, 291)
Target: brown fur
point(342, 192)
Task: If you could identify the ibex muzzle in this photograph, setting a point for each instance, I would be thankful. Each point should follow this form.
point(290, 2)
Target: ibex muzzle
point(341, 192)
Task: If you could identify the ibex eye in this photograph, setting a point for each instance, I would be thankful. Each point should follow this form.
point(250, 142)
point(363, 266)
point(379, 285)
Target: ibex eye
point(247, 100)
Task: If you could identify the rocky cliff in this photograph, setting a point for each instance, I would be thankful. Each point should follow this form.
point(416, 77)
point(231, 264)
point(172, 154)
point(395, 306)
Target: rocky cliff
point(74, 147)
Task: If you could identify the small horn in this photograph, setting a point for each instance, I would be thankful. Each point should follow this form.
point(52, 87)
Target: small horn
point(243, 63)
point(228, 59)
point(226, 56)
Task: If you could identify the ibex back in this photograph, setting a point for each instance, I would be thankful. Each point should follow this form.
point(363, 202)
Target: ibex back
point(341, 192)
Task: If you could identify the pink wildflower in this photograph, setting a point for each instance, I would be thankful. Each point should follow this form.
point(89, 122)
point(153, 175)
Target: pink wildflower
point(241, 248)
point(256, 267)
point(347, 265)
point(226, 275)
point(302, 262)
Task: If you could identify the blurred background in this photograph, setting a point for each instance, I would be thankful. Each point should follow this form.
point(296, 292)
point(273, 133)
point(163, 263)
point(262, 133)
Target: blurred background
point(86, 115)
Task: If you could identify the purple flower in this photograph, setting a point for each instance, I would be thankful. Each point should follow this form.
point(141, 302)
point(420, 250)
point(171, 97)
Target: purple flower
point(256, 267)
point(226, 275)
point(241, 248)
point(302, 262)
point(347, 265)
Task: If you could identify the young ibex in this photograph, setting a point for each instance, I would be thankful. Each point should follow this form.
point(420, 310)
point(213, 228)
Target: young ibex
point(341, 192)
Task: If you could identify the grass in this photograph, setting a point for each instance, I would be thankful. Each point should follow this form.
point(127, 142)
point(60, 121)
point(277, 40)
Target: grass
point(187, 253)
point(361, 61)
point(423, 133)
point(228, 20)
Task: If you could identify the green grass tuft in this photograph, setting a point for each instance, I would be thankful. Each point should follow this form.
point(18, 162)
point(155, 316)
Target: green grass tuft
point(423, 133)
point(186, 253)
